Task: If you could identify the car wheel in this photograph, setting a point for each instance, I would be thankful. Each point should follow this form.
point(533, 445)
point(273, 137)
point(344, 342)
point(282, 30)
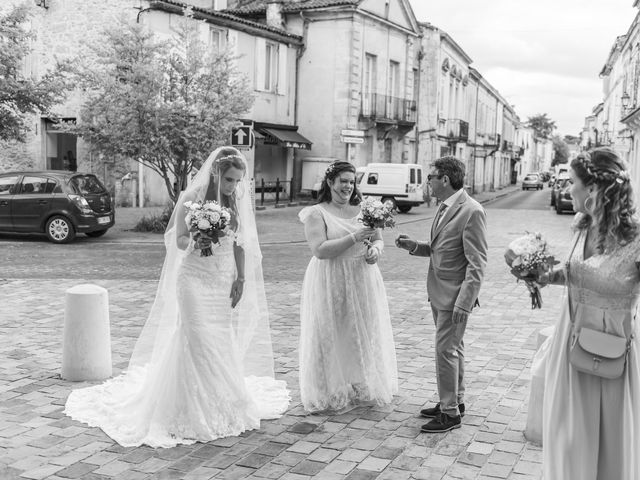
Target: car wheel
point(523, 188)
point(390, 200)
point(97, 233)
point(59, 229)
point(404, 209)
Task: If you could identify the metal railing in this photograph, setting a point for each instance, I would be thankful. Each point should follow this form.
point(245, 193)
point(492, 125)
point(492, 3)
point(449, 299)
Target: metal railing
point(278, 191)
point(457, 130)
point(377, 106)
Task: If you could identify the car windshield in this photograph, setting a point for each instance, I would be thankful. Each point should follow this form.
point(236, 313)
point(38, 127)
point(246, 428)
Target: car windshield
point(531, 177)
point(86, 184)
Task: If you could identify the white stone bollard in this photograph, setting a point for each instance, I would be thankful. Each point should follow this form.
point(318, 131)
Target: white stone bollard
point(86, 353)
point(533, 430)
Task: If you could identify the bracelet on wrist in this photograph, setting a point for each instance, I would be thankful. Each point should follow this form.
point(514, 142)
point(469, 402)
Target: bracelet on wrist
point(240, 279)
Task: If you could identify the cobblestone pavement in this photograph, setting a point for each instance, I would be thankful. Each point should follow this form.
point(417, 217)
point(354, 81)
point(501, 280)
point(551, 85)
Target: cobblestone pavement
point(37, 441)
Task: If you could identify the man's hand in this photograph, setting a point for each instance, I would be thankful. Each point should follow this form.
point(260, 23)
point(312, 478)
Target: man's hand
point(236, 292)
point(405, 242)
point(459, 315)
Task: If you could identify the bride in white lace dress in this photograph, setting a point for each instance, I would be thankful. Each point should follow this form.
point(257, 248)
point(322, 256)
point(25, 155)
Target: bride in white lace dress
point(202, 367)
point(347, 354)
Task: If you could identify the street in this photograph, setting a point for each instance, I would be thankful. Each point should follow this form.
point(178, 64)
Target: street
point(38, 441)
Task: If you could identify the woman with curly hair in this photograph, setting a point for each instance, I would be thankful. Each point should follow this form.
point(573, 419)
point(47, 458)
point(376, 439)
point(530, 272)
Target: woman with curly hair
point(591, 422)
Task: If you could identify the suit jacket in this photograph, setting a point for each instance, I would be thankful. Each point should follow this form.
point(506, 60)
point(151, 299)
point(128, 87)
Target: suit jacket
point(458, 252)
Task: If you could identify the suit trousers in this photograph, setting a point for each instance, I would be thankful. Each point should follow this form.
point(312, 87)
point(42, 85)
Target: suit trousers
point(449, 360)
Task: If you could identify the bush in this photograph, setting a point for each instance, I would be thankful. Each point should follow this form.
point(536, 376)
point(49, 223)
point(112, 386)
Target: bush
point(156, 223)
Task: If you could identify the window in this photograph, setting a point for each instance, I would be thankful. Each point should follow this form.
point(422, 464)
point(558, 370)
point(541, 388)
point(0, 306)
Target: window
point(412, 175)
point(271, 67)
point(420, 176)
point(37, 185)
point(394, 79)
point(7, 185)
point(216, 39)
point(369, 80)
point(372, 179)
point(86, 184)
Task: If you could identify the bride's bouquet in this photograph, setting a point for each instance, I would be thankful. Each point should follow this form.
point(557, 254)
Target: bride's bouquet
point(528, 258)
point(375, 214)
point(209, 219)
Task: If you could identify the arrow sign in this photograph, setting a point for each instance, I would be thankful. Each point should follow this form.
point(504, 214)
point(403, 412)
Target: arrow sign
point(242, 136)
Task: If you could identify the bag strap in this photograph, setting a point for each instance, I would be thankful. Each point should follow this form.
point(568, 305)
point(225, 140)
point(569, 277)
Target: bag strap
point(568, 282)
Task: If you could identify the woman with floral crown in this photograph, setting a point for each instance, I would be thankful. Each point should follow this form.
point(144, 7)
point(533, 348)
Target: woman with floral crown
point(202, 367)
point(590, 419)
point(347, 354)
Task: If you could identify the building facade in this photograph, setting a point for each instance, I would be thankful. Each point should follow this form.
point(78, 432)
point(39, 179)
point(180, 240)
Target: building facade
point(356, 96)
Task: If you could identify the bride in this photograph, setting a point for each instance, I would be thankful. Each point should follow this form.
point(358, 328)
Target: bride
point(202, 367)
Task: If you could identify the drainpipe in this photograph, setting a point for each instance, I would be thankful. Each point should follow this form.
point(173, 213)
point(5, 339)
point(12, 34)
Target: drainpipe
point(297, 172)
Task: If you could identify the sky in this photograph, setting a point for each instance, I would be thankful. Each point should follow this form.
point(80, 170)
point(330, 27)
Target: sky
point(543, 56)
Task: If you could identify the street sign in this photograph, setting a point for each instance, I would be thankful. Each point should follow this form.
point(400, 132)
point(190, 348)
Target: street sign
point(242, 136)
point(352, 133)
point(352, 139)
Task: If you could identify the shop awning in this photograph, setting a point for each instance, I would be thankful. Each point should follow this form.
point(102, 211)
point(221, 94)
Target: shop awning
point(288, 138)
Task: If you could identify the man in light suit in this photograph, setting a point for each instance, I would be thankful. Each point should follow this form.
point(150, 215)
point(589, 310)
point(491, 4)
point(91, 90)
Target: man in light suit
point(458, 257)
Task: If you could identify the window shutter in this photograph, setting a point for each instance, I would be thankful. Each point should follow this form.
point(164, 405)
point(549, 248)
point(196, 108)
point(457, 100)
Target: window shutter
point(283, 51)
point(260, 63)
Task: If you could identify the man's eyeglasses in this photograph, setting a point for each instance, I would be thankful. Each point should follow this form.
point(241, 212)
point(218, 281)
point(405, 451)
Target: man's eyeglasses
point(429, 177)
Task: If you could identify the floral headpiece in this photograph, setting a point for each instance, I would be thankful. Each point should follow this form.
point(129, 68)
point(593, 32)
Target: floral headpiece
point(331, 169)
point(218, 161)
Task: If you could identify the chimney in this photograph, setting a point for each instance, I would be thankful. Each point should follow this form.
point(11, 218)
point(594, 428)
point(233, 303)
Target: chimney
point(275, 16)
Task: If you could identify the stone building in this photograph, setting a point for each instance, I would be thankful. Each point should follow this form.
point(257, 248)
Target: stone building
point(356, 81)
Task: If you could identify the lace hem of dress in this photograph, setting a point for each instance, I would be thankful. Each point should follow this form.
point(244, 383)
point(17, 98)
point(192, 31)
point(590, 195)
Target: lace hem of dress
point(355, 394)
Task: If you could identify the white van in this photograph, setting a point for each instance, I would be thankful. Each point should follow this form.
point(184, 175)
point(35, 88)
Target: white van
point(398, 183)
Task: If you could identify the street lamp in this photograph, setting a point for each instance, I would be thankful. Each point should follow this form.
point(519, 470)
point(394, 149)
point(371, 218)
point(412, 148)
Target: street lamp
point(625, 100)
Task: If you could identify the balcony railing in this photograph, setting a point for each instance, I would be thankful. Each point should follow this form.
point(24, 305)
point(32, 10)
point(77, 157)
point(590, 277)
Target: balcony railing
point(384, 107)
point(457, 130)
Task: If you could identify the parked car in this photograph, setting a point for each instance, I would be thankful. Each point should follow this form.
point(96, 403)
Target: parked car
point(59, 204)
point(532, 181)
point(561, 178)
point(563, 201)
point(397, 183)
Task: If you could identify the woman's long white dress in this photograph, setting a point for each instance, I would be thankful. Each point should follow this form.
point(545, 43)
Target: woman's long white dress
point(591, 425)
point(347, 353)
point(195, 388)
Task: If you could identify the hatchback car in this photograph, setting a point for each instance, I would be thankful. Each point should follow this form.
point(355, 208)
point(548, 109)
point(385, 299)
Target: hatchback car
point(59, 204)
point(532, 181)
point(562, 199)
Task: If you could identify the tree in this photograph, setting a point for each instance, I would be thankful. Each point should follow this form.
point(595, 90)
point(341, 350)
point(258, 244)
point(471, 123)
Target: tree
point(560, 151)
point(165, 104)
point(20, 95)
point(542, 125)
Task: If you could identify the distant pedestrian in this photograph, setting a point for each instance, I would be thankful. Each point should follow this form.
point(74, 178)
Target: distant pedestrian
point(591, 423)
point(347, 353)
point(458, 257)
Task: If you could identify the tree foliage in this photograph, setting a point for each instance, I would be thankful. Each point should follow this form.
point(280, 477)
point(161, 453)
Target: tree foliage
point(542, 125)
point(560, 151)
point(20, 95)
point(165, 103)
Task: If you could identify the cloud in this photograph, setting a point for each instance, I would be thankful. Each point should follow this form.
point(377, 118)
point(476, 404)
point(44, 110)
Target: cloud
point(543, 56)
point(566, 99)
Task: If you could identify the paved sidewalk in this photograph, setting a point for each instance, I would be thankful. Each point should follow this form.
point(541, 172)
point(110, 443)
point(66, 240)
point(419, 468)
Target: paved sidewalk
point(38, 442)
